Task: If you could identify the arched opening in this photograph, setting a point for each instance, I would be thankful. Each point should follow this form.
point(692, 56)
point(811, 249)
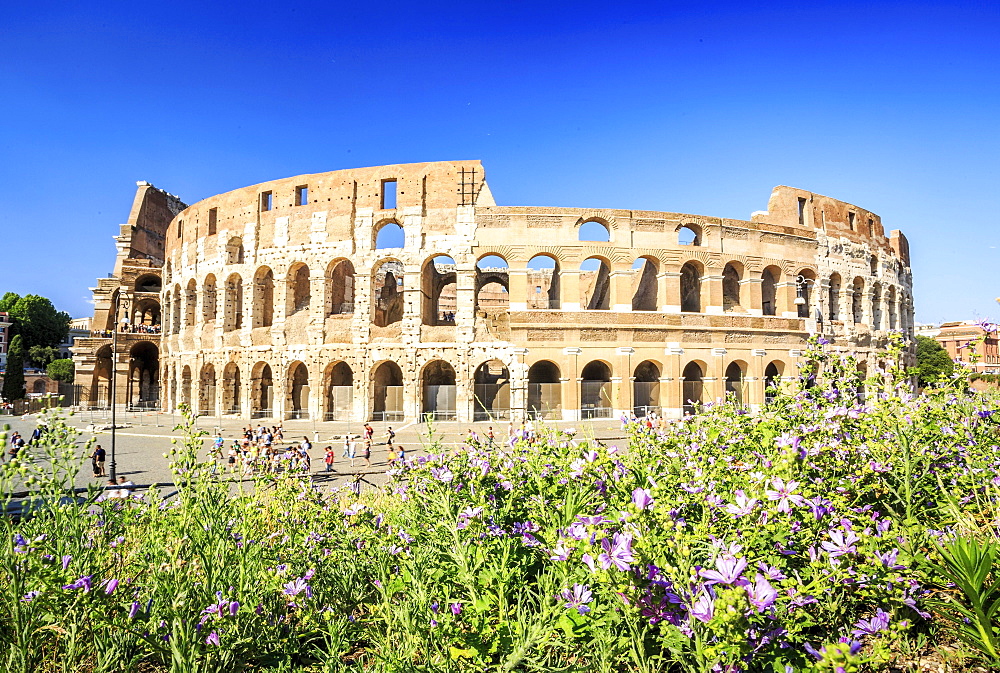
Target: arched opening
point(340, 287)
point(690, 288)
point(860, 393)
point(857, 301)
point(731, 276)
point(298, 288)
point(689, 234)
point(389, 235)
point(543, 282)
point(833, 302)
point(143, 391)
point(544, 391)
point(595, 391)
point(439, 389)
point(263, 299)
point(492, 285)
point(190, 302)
point(877, 307)
point(186, 381)
point(233, 309)
point(873, 265)
point(209, 305)
point(146, 315)
point(646, 389)
point(234, 250)
point(491, 388)
point(644, 295)
point(734, 383)
point(805, 281)
point(768, 290)
point(98, 395)
point(594, 230)
point(339, 380)
point(206, 390)
point(387, 290)
point(693, 387)
point(148, 283)
point(439, 291)
point(232, 392)
point(387, 393)
point(261, 391)
point(772, 381)
point(298, 392)
point(595, 284)
point(38, 387)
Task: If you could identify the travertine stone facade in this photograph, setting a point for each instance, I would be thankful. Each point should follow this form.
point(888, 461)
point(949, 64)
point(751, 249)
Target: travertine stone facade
point(291, 299)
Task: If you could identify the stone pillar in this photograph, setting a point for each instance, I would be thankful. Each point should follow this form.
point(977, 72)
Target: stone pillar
point(672, 392)
point(571, 385)
point(711, 291)
point(624, 402)
point(621, 288)
point(751, 293)
point(518, 290)
point(465, 313)
point(718, 364)
point(784, 297)
point(569, 282)
point(866, 307)
point(668, 291)
point(518, 386)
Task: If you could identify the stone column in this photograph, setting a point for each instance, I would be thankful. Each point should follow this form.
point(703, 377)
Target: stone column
point(668, 291)
point(518, 386)
point(569, 282)
point(624, 400)
point(571, 385)
point(621, 288)
point(751, 293)
point(784, 297)
point(672, 392)
point(518, 290)
point(711, 291)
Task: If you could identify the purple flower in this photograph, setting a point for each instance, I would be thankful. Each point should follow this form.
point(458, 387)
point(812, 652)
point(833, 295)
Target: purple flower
point(133, 611)
point(82, 583)
point(560, 553)
point(841, 543)
point(65, 561)
point(784, 494)
point(577, 598)
point(435, 606)
point(743, 505)
point(888, 559)
point(456, 609)
point(728, 571)
point(589, 560)
point(595, 520)
point(112, 585)
point(642, 498)
point(703, 608)
point(30, 596)
point(213, 639)
point(617, 553)
point(296, 587)
point(761, 594)
point(868, 627)
point(442, 474)
point(233, 608)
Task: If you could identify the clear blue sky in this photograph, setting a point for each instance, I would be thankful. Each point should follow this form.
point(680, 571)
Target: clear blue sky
point(691, 107)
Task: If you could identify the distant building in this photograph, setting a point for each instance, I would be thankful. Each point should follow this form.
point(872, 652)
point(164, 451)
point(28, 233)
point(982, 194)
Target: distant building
point(79, 328)
point(930, 331)
point(5, 323)
point(964, 339)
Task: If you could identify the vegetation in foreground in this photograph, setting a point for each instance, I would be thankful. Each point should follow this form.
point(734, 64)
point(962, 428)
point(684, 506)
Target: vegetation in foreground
point(832, 532)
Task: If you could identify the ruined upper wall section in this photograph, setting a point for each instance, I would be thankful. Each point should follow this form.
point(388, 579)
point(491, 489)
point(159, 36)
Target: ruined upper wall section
point(337, 197)
point(803, 209)
point(142, 237)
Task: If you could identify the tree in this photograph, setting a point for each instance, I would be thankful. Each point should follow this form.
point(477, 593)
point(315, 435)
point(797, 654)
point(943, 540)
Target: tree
point(61, 370)
point(8, 301)
point(41, 356)
point(932, 361)
point(13, 379)
point(37, 320)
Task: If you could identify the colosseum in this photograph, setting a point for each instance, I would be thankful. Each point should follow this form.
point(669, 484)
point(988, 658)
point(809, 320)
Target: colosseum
point(402, 293)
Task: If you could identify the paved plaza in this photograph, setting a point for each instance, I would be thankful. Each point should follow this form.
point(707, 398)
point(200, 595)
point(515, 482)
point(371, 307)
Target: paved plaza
point(142, 440)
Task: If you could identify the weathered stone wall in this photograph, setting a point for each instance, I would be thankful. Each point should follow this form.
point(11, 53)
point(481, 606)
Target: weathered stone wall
point(278, 300)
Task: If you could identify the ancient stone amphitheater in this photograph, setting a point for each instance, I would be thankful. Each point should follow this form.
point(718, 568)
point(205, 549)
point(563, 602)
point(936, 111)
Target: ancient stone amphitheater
point(402, 292)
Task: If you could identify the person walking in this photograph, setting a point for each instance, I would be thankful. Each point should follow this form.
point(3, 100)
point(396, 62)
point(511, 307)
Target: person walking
point(97, 459)
point(368, 453)
point(389, 436)
point(328, 458)
point(352, 451)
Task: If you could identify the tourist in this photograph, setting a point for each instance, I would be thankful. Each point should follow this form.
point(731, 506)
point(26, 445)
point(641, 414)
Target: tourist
point(490, 436)
point(389, 436)
point(97, 460)
point(402, 455)
point(347, 447)
point(126, 486)
point(328, 458)
point(391, 460)
point(353, 451)
point(233, 452)
point(368, 453)
point(369, 432)
point(305, 458)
